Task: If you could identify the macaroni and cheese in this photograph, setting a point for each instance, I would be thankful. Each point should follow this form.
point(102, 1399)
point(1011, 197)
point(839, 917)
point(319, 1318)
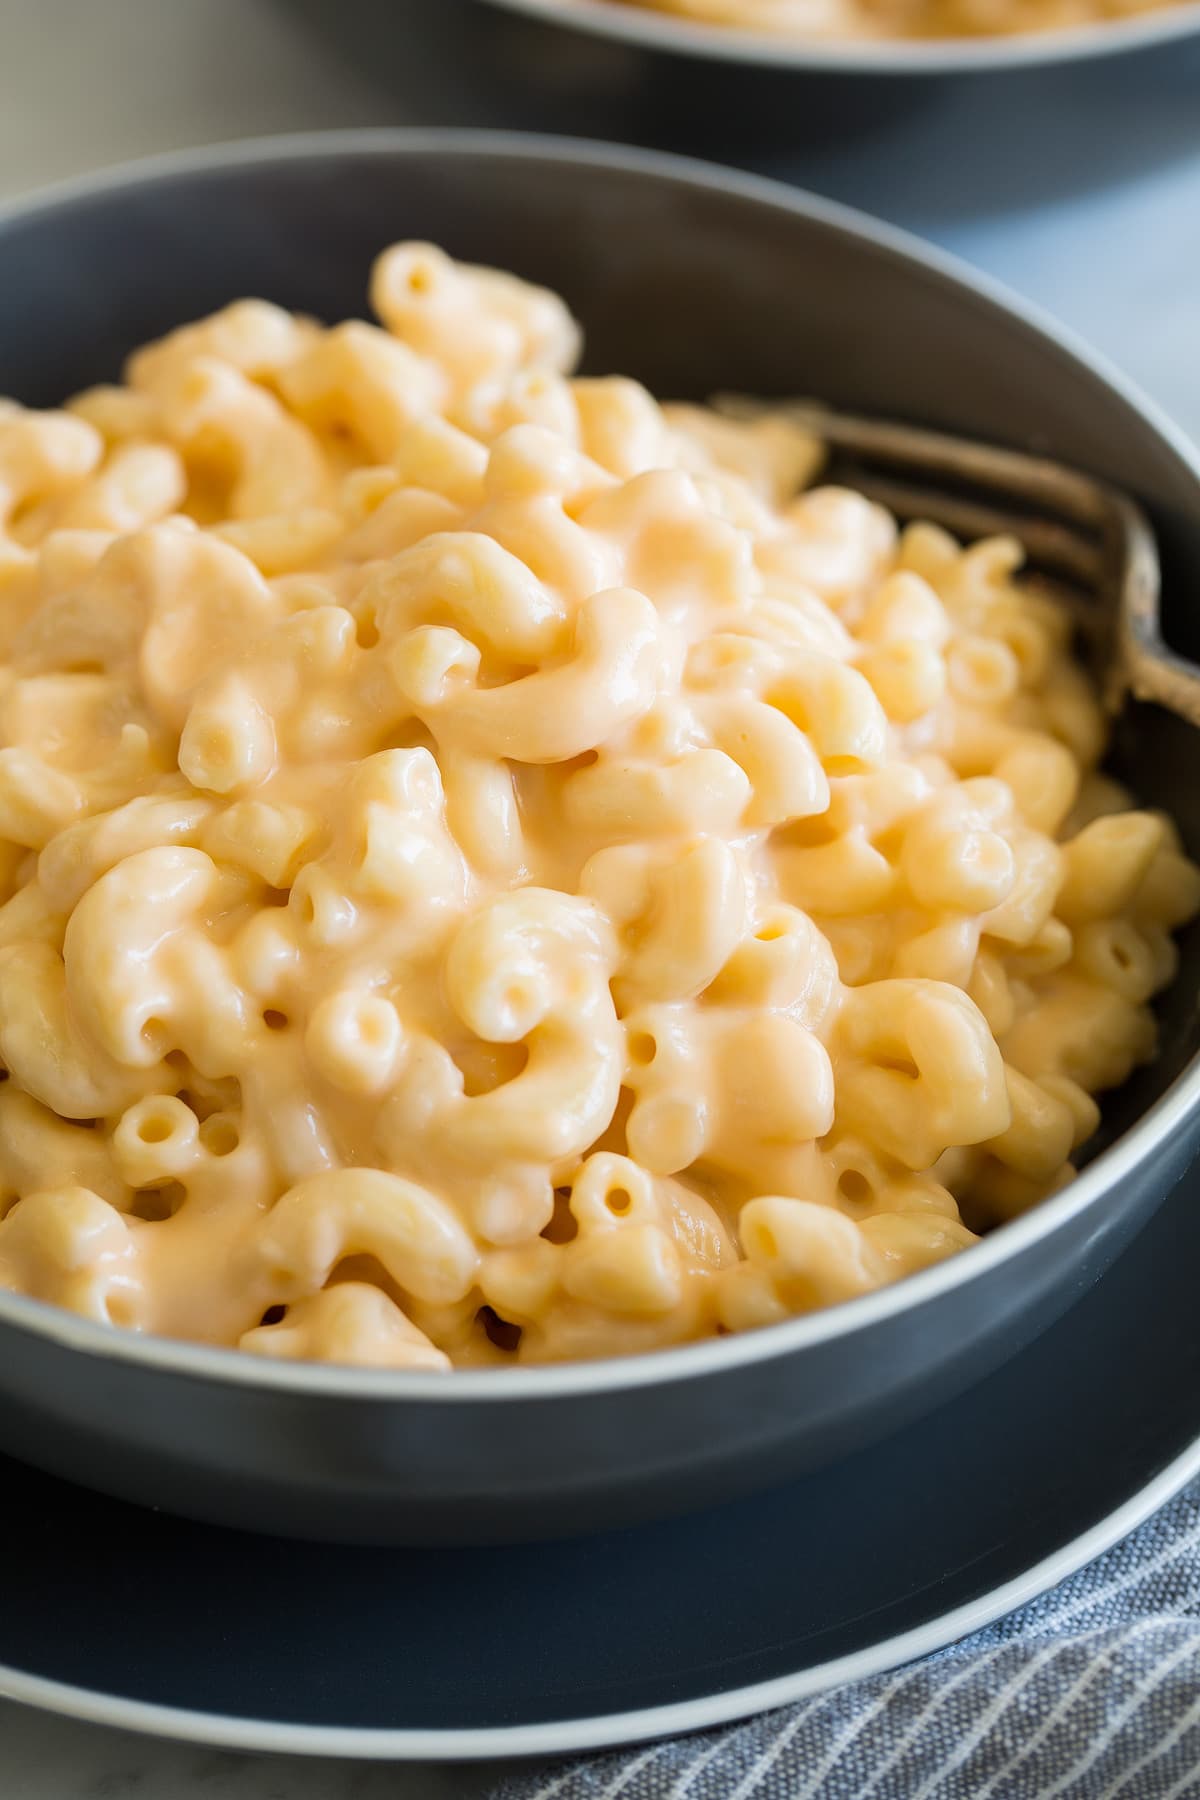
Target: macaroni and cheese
point(495, 868)
point(816, 19)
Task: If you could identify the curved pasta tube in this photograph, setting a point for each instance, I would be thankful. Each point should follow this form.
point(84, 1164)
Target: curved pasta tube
point(253, 336)
point(349, 1323)
point(98, 617)
point(357, 378)
point(43, 455)
point(534, 966)
point(944, 952)
point(1026, 910)
point(266, 840)
point(825, 1256)
point(69, 1246)
point(1044, 780)
point(681, 921)
point(219, 417)
point(835, 542)
point(479, 323)
point(40, 1149)
point(876, 801)
point(562, 711)
point(538, 397)
point(698, 565)
point(362, 1212)
point(165, 605)
point(748, 1094)
point(395, 846)
point(396, 524)
point(774, 455)
point(529, 463)
point(64, 559)
point(301, 693)
point(355, 1040)
point(908, 1241)
point(785, 774)
point(477, 586)
point(482, 811)
point(635, 1270)
point(1040, 1135)
point(57, 714)
point(621, 426)
point(228, 740)
point(206, 601)
point(905, 610)
point(787, 614)
point(917, 1069)
point(29, 918)
point(1105, 865)
point(533, 488)
point(862, 1182)
point(627, 797)
point(436, 453)
point(835, 705)
point(136, 485)
point(908, 679)
point(645, 1258)
point(1082, 1030)
point(43, 1045)
point(119, 414)
point(281, 542)
point(785, 963)
point(129, 995)
point(530, 967)
point(845, 877)
point(830, 702)
point(955, 856)
point(36, 799)
point(728, 663)
point(156, 1139)
point(611, 1192)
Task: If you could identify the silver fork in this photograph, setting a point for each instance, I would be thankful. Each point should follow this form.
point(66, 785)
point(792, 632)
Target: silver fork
point(1094, 543)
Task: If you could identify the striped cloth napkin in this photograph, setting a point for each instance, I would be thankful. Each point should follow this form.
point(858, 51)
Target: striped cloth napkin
point(1090, 1693)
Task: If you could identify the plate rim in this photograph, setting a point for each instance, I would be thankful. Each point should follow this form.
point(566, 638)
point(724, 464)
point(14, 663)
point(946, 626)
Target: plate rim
point(652, 30)
point(571, 1737)
point(1172, 1111)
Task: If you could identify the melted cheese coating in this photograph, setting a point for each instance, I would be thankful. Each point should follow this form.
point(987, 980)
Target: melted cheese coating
point(493, 867)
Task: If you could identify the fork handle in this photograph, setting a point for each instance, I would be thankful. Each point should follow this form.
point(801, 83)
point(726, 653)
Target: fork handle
point(1146, 667)
point(1152, 672)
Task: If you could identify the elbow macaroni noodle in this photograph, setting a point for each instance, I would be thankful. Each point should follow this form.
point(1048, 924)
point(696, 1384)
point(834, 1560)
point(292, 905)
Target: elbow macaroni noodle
point(492, 867)
point(814, 20)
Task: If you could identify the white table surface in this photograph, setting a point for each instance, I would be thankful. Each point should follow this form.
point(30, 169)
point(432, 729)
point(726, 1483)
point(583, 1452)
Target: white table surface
point(1080, 189)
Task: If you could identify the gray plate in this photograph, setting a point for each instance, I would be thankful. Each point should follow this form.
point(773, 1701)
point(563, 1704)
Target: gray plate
point(130, 1618)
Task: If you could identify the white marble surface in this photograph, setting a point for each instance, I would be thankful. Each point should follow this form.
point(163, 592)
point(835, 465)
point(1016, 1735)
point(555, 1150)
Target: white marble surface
point(1081, 189)
point(43, 1758)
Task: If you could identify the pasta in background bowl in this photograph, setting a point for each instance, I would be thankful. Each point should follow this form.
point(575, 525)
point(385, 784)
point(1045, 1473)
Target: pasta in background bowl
point(876, 37)
point(766, 292)
point(499, 869)
point(801, 19)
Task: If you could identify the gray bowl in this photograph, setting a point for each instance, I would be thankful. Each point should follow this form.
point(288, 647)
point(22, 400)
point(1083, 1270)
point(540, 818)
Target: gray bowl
point(691, 279)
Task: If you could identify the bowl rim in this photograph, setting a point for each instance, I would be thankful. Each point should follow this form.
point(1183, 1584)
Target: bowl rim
point(670, 33)
point(711, 1356)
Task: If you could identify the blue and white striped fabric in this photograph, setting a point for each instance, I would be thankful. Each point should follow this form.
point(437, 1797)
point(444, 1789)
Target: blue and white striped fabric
point(1091, 1693)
